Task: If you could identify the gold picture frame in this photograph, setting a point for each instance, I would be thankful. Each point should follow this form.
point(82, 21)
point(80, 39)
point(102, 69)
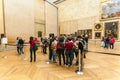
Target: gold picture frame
point(111, 28)
point(98, 27)
point(97, 35)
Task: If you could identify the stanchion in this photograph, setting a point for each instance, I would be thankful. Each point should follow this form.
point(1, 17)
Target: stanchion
point(80, 67)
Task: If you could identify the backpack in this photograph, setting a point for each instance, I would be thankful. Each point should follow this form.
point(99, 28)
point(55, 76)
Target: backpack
point(82, 45)
point(44, 41)
point(35, 47)
point(53, 46)
point(60, 45)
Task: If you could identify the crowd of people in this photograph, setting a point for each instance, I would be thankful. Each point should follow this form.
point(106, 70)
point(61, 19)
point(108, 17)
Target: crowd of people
point(62, 48)
point(65, 47)
point(108, 42)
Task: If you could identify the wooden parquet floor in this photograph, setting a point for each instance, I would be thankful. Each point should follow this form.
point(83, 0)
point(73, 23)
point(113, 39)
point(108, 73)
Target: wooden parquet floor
point(97, 67)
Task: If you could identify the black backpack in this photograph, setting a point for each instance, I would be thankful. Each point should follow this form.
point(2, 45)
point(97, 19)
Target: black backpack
point(35, 47)
point(60, 45)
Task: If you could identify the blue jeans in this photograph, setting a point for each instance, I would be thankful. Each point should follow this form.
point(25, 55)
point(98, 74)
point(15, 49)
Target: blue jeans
point(31, 52)
point(61, 53)
point(106, 44)
point(86, 46)
point(21, 51)
point(69, 56)
point(54, 55)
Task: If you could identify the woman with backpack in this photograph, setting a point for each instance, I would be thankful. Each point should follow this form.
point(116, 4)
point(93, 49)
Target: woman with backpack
point(53, 47)
point(69, 52)
point(60, 50)
point(32, 48)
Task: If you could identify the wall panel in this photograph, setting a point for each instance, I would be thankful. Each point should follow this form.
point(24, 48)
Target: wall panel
point(51, 19)
point(19, 18)
point(1, 18)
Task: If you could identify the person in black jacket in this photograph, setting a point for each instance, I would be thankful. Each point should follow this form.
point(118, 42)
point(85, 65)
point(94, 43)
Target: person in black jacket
point(21, 44)
point(80, 46)
point(106, 42)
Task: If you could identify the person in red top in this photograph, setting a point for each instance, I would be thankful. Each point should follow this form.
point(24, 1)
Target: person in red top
point(112, 41)
point(69, 51)
point(32, 50)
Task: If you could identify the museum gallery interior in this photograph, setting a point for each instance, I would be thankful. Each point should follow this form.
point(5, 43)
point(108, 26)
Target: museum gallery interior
point(31, 32)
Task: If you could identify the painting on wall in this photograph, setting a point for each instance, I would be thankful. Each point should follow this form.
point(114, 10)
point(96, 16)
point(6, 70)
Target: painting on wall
point(111, 29)
point(84, 32)
point(97, 35)
point(98, 27)
point(110, 9)
point(39, 33)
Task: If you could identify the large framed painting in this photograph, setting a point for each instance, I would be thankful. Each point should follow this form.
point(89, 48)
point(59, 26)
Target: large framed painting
point(39, 33)
point(86, 31)
point(110, 9)
point(111, 29)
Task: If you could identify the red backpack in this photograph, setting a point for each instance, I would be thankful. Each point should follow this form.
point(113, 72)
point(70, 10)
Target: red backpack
point(60, 45)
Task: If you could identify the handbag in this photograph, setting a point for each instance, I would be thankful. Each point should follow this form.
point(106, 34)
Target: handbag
point(35, 47)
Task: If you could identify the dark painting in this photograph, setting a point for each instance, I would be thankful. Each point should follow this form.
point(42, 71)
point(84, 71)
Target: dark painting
point(111, 29)
point(97, 35)
point(39, 33)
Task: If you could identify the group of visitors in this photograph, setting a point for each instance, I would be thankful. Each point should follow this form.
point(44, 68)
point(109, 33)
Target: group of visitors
point(65, 47)
point(108, 42)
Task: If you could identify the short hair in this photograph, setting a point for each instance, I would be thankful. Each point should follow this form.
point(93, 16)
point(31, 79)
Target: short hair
point(31, 38)
point(79, 37)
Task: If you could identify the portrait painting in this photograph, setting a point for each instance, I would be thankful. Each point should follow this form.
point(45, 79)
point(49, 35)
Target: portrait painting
point(97, 35)
point(111, 29)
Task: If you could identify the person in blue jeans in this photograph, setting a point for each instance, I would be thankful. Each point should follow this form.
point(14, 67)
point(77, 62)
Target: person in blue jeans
point(69, 51)
point(86, 40)
point(32, 50)
point(21, 45)
point(107, 42)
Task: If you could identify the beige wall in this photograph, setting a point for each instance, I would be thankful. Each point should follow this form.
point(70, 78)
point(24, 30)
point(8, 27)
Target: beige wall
point(39, 16)
point(1, 18)
point(19, 18)
point(39, 9)
point(51, 19)
point(78, 15)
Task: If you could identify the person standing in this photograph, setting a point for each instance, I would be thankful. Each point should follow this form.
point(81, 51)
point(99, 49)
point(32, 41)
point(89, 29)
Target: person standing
point(107, 42)
point(86, 40)
point(69, 51)
point(44, 43)
point(53, 47)
point(32, 50)
point(103, 42)
point(60, 50)
point(80, 47)
point(21, 45)
point(17, 40)
point(112, 41)
point(50, 50)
